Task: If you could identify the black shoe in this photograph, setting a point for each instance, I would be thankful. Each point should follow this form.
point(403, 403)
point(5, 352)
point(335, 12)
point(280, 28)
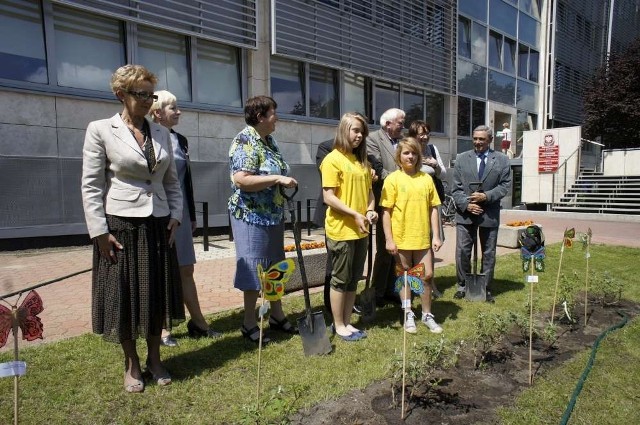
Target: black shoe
point(459, 295)
point(196, 332)
point(357, 309)
point(490, 298)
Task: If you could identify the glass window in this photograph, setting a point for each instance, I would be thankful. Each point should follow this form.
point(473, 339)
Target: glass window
point(529, 31)
point(532, 7)
point(534, 58)
point(477, 113)
point(287, 85)
point(387, 96)
point(356, 94)
point(464, 116)
point(472, 79)
point(495, 50)
point(502, 88)
point(474, 8)
point(22, 52)
point(413, 105)
point(165, 54)
point(464, 37)
point(221, 61)
point(479, 44)
point(527, 96)
point(509, 56)
point(435, 112)
point(88, 49)
point(503, 17)
point(523, 61)
point(323, 92)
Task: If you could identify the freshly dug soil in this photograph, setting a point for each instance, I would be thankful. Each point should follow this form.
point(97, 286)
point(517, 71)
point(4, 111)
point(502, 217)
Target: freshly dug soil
point(467, 395)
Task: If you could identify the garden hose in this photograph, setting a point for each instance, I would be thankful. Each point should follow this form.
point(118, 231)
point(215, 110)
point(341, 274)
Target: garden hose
point(587, 369)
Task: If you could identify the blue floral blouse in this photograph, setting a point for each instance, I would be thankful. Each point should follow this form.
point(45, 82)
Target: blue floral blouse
point(250, 153)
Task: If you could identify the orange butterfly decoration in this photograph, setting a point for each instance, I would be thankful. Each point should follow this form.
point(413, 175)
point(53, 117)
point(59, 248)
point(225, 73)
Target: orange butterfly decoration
point(569, 234)
point(274, 278)
point(414, 278)
point(25, 316)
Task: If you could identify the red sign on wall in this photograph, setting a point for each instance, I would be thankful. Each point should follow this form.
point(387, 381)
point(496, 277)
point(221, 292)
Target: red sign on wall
point(548, 155)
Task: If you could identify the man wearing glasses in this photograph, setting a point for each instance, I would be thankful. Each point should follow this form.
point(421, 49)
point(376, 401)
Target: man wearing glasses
point(481, 178)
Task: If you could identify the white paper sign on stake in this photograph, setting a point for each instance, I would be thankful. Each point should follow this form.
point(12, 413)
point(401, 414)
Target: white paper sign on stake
point(15, 368)
point(532, 279)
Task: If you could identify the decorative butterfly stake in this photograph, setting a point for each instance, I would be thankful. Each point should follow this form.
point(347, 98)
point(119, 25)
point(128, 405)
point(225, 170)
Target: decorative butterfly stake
point(272, 283)
point(585, 238)
point(23, 317)
point(412, 277)
point(567, 241)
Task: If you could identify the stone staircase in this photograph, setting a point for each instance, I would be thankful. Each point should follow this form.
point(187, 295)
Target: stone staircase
point(595, 193)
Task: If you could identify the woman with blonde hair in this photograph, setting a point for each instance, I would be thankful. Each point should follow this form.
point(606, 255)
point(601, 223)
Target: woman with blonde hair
point(165, 112)
point(347, 191)
point(133, 207)
point(409, 216)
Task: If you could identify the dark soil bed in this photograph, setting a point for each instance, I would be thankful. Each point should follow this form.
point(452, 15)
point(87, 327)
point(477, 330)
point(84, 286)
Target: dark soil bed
point(467, 395)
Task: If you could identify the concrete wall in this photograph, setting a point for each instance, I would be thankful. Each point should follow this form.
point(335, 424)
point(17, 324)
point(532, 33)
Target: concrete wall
point(539, 187)
point(621, 162)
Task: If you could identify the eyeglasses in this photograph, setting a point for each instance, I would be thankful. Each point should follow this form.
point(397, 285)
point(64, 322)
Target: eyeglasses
point(142, 95)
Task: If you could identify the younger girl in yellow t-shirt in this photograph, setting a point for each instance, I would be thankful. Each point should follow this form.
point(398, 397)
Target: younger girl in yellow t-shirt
point(409, 216)
point(346, 189)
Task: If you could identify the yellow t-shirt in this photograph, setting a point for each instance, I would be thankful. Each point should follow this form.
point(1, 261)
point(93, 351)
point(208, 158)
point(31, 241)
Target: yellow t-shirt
point(410, 198)
point(351, 183)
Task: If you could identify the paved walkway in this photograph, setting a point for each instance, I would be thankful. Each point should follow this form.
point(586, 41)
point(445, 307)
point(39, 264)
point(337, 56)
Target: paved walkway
point(68, 302)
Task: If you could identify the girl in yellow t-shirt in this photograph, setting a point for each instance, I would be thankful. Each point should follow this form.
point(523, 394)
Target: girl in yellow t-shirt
point(346, 190)
point(409, 200)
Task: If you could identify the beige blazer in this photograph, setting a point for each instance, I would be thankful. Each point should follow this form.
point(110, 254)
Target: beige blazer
point(117, 181)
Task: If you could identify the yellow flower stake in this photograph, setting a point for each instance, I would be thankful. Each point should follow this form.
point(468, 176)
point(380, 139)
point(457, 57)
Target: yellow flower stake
point(585, 238)
point(272, 283)
point(567, 241)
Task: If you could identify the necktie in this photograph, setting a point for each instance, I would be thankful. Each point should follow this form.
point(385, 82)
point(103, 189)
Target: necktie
point(482, 165)
point(149, 153)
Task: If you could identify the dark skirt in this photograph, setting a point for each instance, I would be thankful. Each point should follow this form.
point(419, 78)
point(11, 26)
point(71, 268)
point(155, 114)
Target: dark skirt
point(142, 292)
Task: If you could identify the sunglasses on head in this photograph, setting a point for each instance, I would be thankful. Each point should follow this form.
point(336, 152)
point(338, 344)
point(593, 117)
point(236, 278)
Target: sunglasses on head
point(142, 95)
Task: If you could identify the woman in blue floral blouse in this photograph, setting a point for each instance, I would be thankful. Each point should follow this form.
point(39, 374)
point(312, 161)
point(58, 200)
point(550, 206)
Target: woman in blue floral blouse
point(257, 209)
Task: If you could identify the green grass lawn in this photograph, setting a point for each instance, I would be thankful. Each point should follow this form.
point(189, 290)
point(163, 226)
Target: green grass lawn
point(79, 380)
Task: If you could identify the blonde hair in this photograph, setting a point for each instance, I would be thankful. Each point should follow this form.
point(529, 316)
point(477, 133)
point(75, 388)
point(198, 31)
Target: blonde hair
point(128, 76)
point(341, 141)
point(411, 144)
point(164, 98)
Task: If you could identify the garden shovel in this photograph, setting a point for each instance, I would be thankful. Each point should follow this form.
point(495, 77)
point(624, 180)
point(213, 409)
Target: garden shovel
point(367, 301)
point(311, 326)
point(476, 283)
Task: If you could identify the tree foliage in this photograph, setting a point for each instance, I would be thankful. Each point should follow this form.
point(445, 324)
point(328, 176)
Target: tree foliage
point(612, 101)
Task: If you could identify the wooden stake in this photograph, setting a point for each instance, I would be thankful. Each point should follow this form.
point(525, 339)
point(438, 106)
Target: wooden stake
point(14, 314)
point(531, 269)
point(259, 351)
point(555, 292)
point(404, 343)
point(586, 283)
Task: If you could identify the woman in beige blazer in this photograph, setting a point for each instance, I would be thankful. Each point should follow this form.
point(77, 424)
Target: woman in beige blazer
point(133, 206)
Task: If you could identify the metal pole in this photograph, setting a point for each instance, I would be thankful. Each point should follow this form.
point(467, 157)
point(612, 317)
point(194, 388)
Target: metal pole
point(299, 215)
point(230, 229)
point(205, 225)
point(308, 216)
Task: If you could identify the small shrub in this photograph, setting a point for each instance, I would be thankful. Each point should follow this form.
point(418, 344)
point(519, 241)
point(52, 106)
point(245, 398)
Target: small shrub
point(606, 289)
point(488, 330)
point(280, 404)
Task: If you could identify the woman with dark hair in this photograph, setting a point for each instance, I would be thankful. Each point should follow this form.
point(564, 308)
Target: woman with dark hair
point(431, 164)
point(256, 207)
point(133, 207)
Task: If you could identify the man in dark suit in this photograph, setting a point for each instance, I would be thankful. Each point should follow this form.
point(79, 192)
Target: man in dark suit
point(481, 178)
point(320, 213)
point(381, 145)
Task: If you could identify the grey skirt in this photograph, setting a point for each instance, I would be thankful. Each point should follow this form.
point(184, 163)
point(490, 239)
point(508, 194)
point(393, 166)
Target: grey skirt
point(255, 244)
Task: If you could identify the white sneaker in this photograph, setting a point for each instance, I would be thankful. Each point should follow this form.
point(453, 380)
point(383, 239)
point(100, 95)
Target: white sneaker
point(410, 322)
point(430, 322)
